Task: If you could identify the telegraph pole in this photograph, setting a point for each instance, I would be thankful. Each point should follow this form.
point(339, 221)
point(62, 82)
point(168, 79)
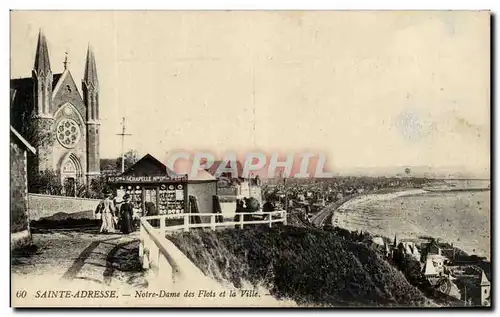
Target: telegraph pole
point(286, 192)
point(123, 134)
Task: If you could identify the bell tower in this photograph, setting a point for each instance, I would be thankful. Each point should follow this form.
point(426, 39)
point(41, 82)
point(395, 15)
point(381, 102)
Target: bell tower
point(42, 136)
point(42, 79)
point(90, 88)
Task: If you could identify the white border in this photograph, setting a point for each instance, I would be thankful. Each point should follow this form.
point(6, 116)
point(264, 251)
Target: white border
point(492, 5)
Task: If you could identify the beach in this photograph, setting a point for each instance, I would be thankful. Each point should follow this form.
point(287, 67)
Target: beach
point(458, 217)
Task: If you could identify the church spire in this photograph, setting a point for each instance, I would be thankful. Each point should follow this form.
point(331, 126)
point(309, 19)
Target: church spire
point(90, 77)
point(42, 63)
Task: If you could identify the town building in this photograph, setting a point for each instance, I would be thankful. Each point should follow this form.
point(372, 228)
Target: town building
point(485, 290)
point(430, 269)
point(433, 248)
point(150, 182)
point(438, 261)
point(410, 248)
point(61, 123)
point(231, 188)
point(19, 216)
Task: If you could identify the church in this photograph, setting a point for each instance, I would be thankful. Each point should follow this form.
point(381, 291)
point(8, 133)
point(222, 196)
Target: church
point(61, 124)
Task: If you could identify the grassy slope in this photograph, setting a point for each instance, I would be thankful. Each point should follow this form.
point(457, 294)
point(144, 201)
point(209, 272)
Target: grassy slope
point(310, 266)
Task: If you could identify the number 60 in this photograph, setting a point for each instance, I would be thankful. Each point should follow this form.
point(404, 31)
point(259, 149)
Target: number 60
point(21, 294)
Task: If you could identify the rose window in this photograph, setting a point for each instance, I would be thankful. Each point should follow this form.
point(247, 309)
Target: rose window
point(68, 133)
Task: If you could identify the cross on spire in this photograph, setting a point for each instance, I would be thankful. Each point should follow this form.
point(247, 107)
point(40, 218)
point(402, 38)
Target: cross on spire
point(65, 60)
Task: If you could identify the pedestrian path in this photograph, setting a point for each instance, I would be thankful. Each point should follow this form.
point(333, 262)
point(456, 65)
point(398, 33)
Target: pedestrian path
point(96, 259)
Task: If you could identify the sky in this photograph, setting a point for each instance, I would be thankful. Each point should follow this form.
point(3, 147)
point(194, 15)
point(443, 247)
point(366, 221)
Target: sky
point(369, 89)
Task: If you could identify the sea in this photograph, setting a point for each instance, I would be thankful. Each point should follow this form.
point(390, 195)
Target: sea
point(458, 217)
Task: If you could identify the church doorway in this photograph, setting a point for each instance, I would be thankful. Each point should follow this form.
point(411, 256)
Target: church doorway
point(70, 176)
point(70, 186)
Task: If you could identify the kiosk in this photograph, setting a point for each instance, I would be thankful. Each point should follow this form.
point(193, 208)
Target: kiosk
point(150, 181)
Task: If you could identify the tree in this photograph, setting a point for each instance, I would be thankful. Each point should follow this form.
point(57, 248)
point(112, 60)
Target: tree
point(130, 158)
point(98, 186)
point(45, 182)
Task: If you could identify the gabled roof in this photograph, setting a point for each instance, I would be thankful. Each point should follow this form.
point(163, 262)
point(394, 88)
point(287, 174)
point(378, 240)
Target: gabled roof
point(415, 251)
point(21, 99)
point(59, 80)
point(55, 80)
point(22, 140)
point(148, 165)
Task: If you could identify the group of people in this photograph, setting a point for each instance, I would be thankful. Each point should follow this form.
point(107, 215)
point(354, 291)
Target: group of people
point(246, 205)
point(116, 216)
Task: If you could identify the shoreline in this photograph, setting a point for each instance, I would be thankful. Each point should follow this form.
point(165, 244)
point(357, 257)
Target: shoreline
point(325, 215)
point(396, 193)
point(381, 195)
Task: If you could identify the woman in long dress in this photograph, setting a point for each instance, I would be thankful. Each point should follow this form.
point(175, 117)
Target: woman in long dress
point(107, 209)
point(126, 214)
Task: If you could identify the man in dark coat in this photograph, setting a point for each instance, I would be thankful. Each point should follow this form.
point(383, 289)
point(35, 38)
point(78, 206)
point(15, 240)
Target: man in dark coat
point(239, 209)
point(151, 211)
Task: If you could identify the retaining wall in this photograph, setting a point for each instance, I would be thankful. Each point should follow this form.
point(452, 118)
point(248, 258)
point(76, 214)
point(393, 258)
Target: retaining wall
point(41, 206)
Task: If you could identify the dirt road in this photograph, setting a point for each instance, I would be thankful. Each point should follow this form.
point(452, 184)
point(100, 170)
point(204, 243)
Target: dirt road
point(81, 256)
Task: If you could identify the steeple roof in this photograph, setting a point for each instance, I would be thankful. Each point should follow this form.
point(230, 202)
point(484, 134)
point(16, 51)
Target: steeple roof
point(429, 268)
point(484, 280)
point(42, 62)
point(90, 76)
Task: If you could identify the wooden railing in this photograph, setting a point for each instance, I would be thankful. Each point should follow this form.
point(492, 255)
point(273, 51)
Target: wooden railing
point(166, 262)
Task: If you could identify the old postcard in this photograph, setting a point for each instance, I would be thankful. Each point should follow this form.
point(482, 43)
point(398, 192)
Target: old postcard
point(250, 159)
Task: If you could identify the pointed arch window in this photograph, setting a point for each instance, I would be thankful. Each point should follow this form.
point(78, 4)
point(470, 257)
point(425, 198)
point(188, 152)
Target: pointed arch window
point(69, 167)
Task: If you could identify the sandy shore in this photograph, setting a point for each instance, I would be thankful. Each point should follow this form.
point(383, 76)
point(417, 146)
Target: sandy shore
point(427, 214)
point(372, 197)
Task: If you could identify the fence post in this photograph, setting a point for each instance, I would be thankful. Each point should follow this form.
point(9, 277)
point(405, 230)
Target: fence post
point(186, 222)
point(212, 222)
point(241, 221)
point(154, 254)
point(146, 254)
point(162, 224)
point(270, 219)
point(145, 260)
point(141, 241)
point(283, 215)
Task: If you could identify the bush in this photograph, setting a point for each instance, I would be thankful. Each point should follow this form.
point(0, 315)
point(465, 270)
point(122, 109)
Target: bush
point(45, 182)
point(307, 265)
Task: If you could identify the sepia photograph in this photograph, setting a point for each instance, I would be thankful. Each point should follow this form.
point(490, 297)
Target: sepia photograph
point(317, 159)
